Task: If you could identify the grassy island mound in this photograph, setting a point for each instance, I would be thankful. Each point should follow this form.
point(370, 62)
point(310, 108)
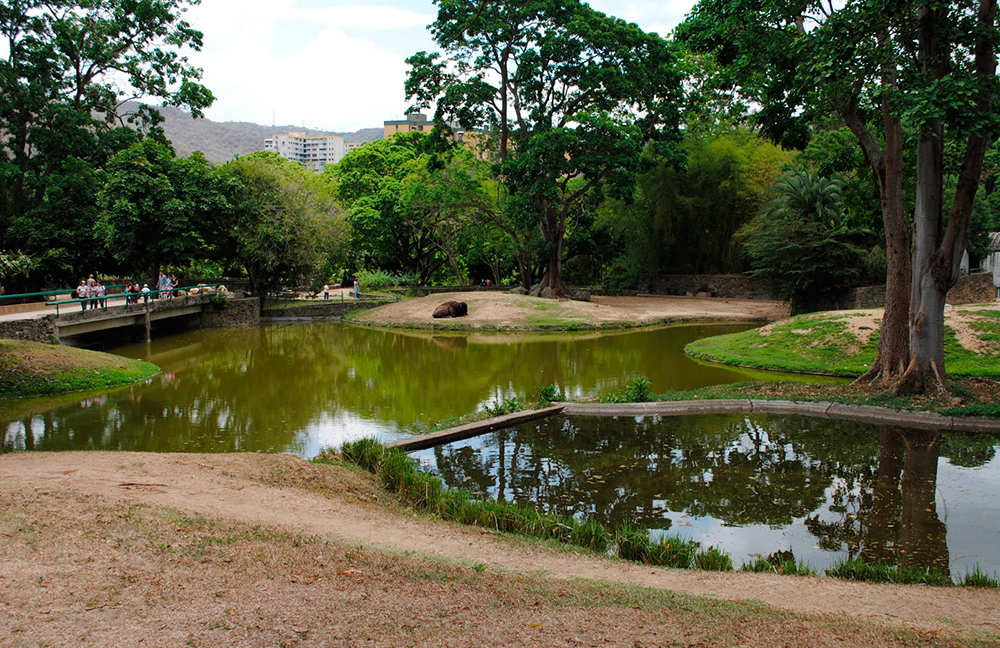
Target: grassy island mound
point(843, 343)
point(33, 369)
point(501, 311)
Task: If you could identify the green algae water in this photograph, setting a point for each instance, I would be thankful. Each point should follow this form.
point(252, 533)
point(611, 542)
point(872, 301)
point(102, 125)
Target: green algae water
point(299, 387)
point(822, 490)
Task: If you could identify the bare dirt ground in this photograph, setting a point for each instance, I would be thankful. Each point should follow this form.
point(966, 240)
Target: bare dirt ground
point(128, 549)
point(499, 310)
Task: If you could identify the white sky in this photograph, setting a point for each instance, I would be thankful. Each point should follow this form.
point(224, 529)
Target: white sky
point(335, 65)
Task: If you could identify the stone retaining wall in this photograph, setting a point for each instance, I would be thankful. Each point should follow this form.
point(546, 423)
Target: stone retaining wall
point(236, 312)
point(732, 286)
point(42, 329)
point(326, 309)
point(969, 289)
point(825, 410)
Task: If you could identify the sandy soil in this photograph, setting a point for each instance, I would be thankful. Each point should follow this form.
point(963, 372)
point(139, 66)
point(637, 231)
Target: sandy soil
point(498, 310)
point(68, 569)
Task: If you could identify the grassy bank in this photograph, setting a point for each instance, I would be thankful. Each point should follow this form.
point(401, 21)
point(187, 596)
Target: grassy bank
point(843, 343)
point(32, 369)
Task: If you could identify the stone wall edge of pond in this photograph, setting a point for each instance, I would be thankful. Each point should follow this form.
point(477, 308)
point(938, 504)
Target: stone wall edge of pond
point(818, 409)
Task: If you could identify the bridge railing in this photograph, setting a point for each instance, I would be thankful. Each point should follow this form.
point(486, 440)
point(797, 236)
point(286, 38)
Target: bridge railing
point(134, 298)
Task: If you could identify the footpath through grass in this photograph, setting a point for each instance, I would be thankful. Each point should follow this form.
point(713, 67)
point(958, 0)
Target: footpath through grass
point(33, 369)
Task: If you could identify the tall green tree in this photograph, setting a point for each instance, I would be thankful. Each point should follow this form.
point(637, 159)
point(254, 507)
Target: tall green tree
point(879, 65)
point(410, 209)
point(68, 68)
point(158, 210)
point(285, 223)
point(566, 96)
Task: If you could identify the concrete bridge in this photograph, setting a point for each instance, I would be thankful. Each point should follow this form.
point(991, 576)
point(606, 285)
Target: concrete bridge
point(42, 324)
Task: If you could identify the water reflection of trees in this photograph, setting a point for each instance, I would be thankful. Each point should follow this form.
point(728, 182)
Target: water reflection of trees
point(734, 469)
point(870, 495)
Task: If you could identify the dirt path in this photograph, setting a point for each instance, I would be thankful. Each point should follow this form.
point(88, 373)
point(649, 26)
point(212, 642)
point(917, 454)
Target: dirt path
point(282, 492)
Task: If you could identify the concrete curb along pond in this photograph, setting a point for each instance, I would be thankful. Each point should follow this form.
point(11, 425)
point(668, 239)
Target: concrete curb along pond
point(820, 409)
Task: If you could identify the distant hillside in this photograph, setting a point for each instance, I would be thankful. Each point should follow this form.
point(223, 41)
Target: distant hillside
point(222, 141)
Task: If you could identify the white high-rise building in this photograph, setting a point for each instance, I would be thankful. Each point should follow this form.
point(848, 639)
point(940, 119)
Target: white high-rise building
point(312, 151)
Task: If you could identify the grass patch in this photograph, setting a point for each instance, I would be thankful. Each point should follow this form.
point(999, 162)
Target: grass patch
point(823, 344)
point(817, 343)
point(882, 573)
point(780, 562)
point(33, 369)
point(979, 578)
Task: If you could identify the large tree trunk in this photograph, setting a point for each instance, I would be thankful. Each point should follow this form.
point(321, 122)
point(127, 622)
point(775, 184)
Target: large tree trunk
point(925, 372)
point(893, 344)
point(553, 227)
point(936, 258)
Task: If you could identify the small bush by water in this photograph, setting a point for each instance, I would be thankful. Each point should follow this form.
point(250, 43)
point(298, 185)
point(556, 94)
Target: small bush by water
point(882, 573)
point(979, 578)
point(779, 562)
point(637, 391)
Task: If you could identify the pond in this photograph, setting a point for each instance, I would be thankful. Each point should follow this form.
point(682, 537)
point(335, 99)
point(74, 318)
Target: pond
point(753, 485)
point(299, 387)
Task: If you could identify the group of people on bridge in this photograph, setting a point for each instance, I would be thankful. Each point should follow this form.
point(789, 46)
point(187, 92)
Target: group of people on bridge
point(91, 291)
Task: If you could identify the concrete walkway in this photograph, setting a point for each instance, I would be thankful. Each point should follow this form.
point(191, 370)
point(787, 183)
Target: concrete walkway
point(839, 411)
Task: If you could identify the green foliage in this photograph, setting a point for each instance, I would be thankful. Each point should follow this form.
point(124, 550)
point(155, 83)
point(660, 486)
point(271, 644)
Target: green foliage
point(548, 394)
point(779, 562)
point(636, 391)
point(367, 453)
point(68, 68)
point(285, 225)
point(379, 279)
point(411, 209)
point(14, 263)
point(713, 559)
point(799, 243)
point(634, 544)
point(883, 573)
point(505, 406)
point(578, 96)
point(158, 210)
point(683, 220)
point(980, 578)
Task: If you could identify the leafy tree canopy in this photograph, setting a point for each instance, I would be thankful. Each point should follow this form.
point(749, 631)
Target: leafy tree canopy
point(562, 92)
point(285, 223)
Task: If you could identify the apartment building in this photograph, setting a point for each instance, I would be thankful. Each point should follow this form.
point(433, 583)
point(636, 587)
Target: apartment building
point(311, 151)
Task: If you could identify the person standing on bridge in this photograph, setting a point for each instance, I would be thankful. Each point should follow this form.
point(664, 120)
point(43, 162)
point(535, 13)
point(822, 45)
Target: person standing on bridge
point(326, 291)
point(145, 293)
point(81, 294)
point(161, 284)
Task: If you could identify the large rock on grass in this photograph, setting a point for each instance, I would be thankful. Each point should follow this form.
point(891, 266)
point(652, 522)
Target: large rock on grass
point(451, 309)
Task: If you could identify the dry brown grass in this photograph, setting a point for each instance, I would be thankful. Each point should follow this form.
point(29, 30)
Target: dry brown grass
point(80, 571)
point(89, 558)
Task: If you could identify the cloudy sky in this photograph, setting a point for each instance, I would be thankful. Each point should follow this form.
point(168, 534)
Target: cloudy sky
point(334, 65)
